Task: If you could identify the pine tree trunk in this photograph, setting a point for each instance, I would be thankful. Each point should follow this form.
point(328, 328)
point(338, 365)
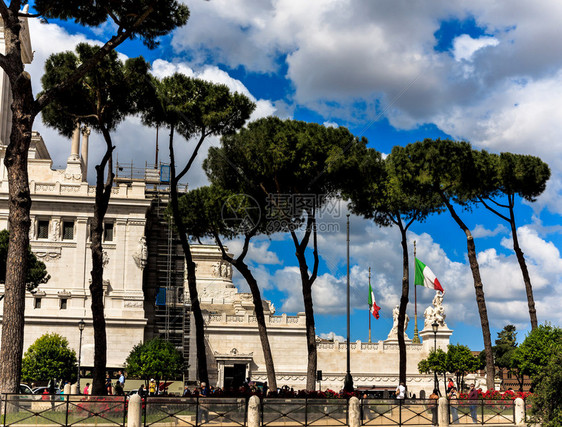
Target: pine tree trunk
point(403, 304)
point(19, 205)
point(312, 363)
point(260, 317)
point(523, 266)
point(103, 193)
point(202, 372)
point(480, 299)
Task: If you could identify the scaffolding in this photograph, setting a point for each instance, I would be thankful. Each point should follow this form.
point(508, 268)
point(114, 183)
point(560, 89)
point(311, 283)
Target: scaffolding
point(168, 311)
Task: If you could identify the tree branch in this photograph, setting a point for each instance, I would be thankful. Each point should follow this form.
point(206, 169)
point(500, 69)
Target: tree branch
point(493, 210)
point(111, 44)
point(192, 158)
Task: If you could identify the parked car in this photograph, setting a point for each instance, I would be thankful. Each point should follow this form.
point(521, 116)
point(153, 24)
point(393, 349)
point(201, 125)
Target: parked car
point(41, 390)
point(25, 389)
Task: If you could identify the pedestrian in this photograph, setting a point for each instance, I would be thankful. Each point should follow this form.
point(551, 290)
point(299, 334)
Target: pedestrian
point(118, 389)
point(450, 385)
point(108, 386)
point(141, 392)
point(433, 398)
point(453, 402)
point(87, 389)
point(152, 387)
point(122, 379)
point(473, 401)
point(202, 411)
point(401, 391)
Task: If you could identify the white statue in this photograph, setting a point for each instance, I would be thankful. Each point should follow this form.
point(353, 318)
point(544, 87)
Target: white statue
point(394, 330)
point(141, 255)
point(55, 231)
point(435, 313)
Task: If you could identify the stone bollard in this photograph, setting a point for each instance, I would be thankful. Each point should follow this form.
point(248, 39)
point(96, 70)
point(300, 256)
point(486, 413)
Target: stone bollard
point(354, 412)
point(66, 389)
point(74, 389)
point(254, 411)
point(134, 411)
point(519, 412)
point(443, 412)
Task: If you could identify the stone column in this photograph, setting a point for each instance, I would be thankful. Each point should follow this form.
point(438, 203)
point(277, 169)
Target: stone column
point(354, 412)
point(75, 143)
point(254, 412)
point(519, 412)
point(443, 412)
point(84, 149)
point(134, 412)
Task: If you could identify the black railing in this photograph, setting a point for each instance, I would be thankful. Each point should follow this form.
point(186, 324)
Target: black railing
point(194, 411)
point(63, 410)
point(395, 412)
point(482, 412)
point(304, 412)
point(111, 411)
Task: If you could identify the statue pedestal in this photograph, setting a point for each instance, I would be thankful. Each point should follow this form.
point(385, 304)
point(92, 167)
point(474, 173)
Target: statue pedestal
point(394, 340)
point(441, 339)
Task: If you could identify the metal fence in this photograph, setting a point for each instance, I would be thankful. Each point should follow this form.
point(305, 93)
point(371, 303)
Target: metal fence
point(393, 412)
point(111, 411)
point(304, 412)
point(61, 410)
point(194, 411)
point(482, 412)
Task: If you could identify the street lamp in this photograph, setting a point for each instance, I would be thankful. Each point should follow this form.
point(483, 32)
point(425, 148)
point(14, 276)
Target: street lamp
point(81, 326)
point(435, 327)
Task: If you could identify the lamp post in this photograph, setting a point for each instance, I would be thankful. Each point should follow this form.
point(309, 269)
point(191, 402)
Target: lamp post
point(435, 327)
point(81, 326)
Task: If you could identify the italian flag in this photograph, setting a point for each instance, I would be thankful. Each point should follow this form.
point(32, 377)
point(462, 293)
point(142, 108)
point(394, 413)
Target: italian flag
point(373, 307)
point(425, 277)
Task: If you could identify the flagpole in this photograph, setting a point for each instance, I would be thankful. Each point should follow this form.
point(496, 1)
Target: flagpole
point(416, 338)
point(369, 311)
point(348, 382)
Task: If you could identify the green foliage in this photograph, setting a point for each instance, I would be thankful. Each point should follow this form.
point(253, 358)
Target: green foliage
point(436, 362)
point(47, 358)
point(195, 107)
point(37, 271)
point(212, 210)
point(283, 157)
point(535, 352)
point(460, 361)
point(505, 347)
point(163, 17)
point(457, 360)
point(546, 401)
point(523, 175)
point(155, 358)
point(103, 98)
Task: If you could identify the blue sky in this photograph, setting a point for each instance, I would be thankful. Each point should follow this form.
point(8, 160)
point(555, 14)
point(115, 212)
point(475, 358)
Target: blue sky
point(395, 72)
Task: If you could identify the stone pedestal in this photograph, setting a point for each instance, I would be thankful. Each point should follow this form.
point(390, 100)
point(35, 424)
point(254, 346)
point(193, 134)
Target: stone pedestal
point(441, 339)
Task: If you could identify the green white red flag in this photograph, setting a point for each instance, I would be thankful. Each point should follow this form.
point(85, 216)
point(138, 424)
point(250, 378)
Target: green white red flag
point(373, 307)
point(425, 277)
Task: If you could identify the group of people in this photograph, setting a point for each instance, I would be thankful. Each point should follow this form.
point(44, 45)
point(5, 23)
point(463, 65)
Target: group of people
point(453, 396)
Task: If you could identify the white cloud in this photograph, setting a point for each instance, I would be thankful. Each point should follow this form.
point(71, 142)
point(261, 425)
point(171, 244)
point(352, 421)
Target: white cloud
point(481, 231)
point(332, 336)
point(464, 46)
